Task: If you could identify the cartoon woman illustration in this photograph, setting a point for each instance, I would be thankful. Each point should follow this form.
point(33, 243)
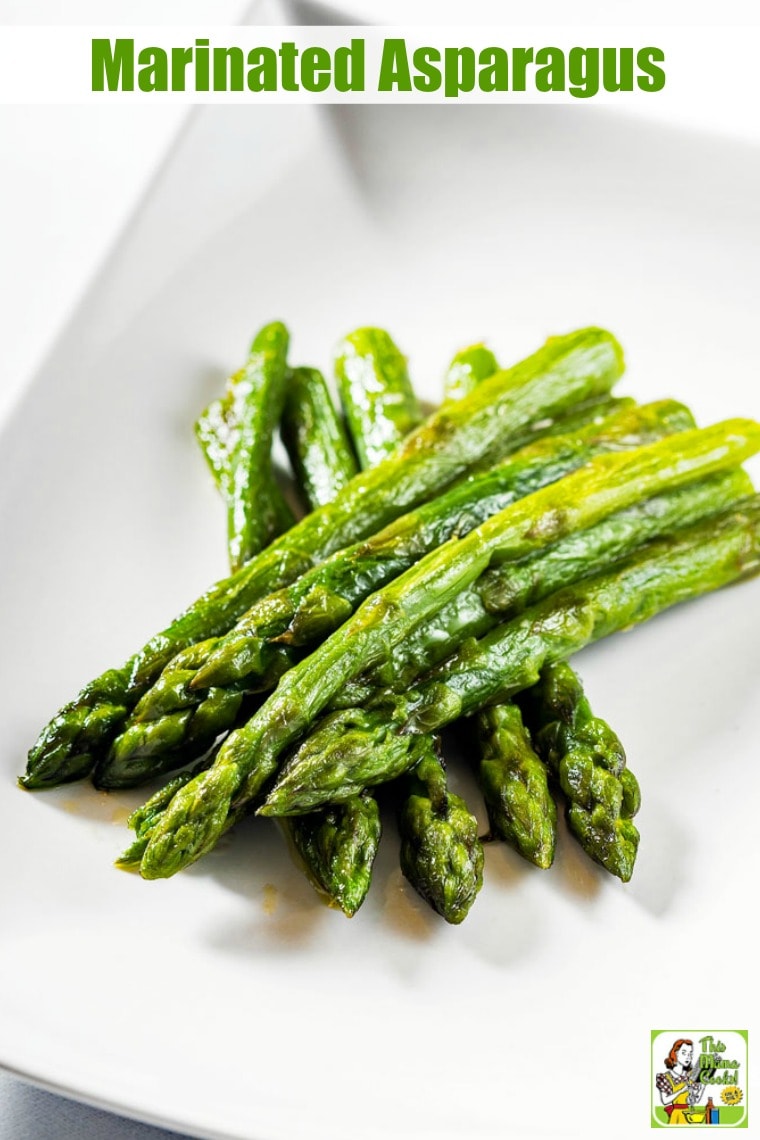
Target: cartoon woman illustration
point(678, 1091)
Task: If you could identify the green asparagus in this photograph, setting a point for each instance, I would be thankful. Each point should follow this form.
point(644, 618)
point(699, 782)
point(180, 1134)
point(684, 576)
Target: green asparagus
point(337, 844)
point(217, 432)
point(318, 602)
point(480, 428)
point(250, 755)
point(258, 396)
point(514, 782)
point(507, 590)
point(255, 652)
point(505, 662)
point(315, 439)
point(377, 396)
point(441, 854)
point(337, 847)
point(589, 762)
point(468, 368)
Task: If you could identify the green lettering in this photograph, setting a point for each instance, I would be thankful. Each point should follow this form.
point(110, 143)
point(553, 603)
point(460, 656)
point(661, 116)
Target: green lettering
point(550, 76)
point(201, 65)
point(652, 77)
point(394, 67)
point(181, 59)
point(154, 70)
point(429, 78)
point(113, 64)
point(494, 69)
point(228, 69)
point(289, 55)
point(262, 69)
point(349, 67)
point(521, 57)
point(583, 72)
point(458, 70)
point(617, 69)
point(315, 69)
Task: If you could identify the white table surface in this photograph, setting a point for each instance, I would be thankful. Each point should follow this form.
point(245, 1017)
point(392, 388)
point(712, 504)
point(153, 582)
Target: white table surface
point(73, 176)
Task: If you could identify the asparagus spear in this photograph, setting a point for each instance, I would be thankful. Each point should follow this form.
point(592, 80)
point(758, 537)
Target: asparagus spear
point(441, 854)
point(250, 656)
point(507, 590)
point(218, 431)
point(320, 600)
point(258, 396)
point(589, 761)
point(186, 727)
point(337, 844)
point(235, 433)
point(508, 660)
point(315, 439)
point(337, 847)
point(514, 783)
point(531, 580)
point(468, 368)
point(480, 428)
point(250, 755)
point(255, 653)
point(377, 396)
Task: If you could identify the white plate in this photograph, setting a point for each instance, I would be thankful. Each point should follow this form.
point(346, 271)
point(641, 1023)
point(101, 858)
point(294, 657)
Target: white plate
point(228, 1001)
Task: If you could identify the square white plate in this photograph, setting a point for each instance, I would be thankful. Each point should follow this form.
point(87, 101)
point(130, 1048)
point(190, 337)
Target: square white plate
point(229, 1001)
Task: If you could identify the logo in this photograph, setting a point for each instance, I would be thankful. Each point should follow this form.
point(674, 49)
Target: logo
point(699, 1078)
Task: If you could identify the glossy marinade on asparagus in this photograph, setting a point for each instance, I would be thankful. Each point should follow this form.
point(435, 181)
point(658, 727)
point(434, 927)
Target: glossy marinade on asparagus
point(376, 394)
point(336, 846)
point(250, 755)
point(219, 429)
point(506, 590)
point(236, 433)
point(567, 370)
point(315, 439)
point(256, 652)
point(510, 659)
point(468, 368)
point(441, 852)
point(319, 601)
point(589, 761)
point(514, 782)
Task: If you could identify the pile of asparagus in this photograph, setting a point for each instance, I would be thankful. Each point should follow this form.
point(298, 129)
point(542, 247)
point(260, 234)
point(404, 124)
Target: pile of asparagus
point(444, 571)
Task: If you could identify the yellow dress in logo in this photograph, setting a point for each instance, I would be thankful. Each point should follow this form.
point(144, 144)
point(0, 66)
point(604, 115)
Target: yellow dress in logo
point(678, 1109)
point(680, 1104)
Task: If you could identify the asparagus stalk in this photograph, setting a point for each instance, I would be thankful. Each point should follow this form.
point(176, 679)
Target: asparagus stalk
point(514, 782)
point(255, 653)
point(377, 396)
point(315, 439)
point(337, 846)
point(250, 755)
point(468, 368)
point(589, 762)
point(567, 370)
point(218, 432)
point(441, 854)
point(235, 434)
point(510, 659)
point(319, 601)
point(506, 590)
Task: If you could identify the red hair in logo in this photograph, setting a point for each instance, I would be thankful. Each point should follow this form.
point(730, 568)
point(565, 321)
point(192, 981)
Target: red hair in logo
point(672, 1058)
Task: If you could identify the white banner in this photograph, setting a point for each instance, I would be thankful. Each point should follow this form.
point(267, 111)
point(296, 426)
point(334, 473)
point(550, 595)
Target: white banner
point(286, 64)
